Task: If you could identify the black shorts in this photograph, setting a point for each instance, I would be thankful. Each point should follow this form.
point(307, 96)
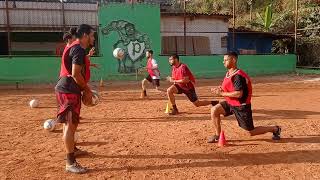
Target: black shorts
point(243, 114)
point(191, 93)
point(155, 82)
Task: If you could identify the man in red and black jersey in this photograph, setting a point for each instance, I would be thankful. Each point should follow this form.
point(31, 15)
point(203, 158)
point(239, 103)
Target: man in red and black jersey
point(71, 87)
point(237, 91)
point(183, 83)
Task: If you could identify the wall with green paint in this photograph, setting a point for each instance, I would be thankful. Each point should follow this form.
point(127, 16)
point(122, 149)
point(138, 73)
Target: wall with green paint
point(46, 69)
point(36, 69)
point(146, 19)
point(212, 66)
point(132, 28)
point(122, 24)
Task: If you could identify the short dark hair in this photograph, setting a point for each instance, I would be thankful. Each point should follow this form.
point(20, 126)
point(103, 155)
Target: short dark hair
point(232, 54)
point(83, 29)
point(175, 56)
point(66, 36)
point(150, 51)
point(73, 31)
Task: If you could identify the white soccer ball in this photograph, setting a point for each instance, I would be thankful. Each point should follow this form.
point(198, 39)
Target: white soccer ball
point(76, 137)
point(34, 103)
point(118, 53)
point(95, 97)
point(49, 125)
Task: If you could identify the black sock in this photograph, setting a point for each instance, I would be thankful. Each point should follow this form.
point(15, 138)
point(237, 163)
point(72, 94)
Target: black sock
point(174, 107)
point(144, 92)
point(70, 158)
point(214, 103)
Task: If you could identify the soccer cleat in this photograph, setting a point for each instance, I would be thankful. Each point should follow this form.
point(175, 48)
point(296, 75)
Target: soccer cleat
point(76, 168)
point(213, 139)
point(174, 112)
point(276, 135)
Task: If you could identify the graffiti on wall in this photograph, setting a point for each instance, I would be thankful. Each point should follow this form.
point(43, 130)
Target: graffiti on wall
point(132, 41)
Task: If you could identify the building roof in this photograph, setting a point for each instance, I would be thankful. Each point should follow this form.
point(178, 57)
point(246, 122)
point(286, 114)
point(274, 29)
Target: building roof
point(212, 15)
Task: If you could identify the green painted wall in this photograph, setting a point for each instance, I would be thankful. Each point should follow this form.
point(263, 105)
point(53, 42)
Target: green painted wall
point(212, 66)
point(132, 28)
point(35, 69)
point(46, 69)
point(135, 28)
point(307, 71)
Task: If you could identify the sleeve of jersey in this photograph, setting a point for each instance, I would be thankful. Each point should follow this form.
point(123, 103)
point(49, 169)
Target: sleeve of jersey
point(184, 71)
point(239, 83)
point(78, 54)
point(154, 64)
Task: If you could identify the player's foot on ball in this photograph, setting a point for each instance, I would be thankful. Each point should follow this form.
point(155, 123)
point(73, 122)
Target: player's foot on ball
point(276, 134)
point(213, 139)
point(76, 168)
point(79, 152)
point(174, 112)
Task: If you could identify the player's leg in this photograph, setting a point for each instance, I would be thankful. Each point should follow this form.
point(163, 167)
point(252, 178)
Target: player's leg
point(245, 121)
point(68, 113)
point(276, 130)
point(170, 92)
point(156, 84)
point(70, 129)
point(144, 86)
point(216, 111)
point(199, 103)
point(192, 96)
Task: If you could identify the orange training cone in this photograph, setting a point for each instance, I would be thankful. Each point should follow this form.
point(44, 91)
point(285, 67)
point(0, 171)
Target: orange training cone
point(222, 140)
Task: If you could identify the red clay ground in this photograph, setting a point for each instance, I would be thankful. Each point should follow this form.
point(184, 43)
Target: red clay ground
point(129, 138)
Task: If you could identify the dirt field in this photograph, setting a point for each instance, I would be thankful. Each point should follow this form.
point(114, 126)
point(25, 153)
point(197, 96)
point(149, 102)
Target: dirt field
point(129, 138)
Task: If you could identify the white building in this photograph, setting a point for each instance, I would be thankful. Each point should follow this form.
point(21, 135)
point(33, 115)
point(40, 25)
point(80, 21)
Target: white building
point(205, 34)
point(36, 27)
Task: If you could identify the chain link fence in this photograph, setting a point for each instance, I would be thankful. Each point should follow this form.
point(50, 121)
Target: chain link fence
point(215, 27)
point(187, 27)
point(33, 27)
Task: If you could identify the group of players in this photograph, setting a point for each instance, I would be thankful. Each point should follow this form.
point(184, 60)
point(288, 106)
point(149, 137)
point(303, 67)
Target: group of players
point(72, 89)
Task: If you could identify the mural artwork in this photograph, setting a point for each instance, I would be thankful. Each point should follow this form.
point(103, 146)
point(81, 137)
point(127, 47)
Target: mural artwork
point(132, 41)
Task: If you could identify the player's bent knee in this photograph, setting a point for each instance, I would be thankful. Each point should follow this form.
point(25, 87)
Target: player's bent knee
point(169, 91)
point(215, 110)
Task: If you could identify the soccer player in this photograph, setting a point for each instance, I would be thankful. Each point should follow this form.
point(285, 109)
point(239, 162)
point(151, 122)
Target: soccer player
point(153, 73)
point(237, 91)
point(183, 83)
point(74, 78)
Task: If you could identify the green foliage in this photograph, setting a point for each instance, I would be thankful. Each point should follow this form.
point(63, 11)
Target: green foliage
point(277, 16)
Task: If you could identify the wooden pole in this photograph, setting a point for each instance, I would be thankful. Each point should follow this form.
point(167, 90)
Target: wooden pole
point(234, 24)
point(8, 28)
point(295, 27)
point(185, 27)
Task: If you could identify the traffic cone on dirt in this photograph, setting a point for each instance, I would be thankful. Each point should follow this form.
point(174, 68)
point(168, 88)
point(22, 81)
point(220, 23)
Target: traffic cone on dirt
point(101, 82)
point(169, 108)
point(222, 140)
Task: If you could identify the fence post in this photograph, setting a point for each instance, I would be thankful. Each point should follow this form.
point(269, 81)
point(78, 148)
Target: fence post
point(8, 28)
point(233, 24)
point(295, 27)
point(185, 27)
point(63, 16)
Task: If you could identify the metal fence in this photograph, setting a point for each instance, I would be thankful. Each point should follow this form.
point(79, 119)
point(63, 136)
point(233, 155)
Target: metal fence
point(183, 30)
point(218, 28)
point(26, 20)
